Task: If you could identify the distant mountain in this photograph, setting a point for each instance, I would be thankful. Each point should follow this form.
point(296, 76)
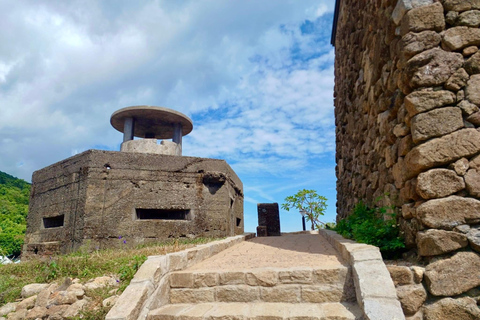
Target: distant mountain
point(14, 197)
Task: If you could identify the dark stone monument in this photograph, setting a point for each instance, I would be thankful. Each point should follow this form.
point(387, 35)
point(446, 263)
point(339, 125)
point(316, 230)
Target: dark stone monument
point(269, 217)
point(262, 231)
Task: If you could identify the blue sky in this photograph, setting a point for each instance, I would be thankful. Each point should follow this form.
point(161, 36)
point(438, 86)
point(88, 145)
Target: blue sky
point(256, 78)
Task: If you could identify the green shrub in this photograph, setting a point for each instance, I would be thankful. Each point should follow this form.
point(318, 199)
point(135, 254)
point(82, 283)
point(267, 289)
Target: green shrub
point(375, 226)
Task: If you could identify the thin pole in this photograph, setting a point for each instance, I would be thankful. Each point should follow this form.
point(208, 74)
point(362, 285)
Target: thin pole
point(303, 223)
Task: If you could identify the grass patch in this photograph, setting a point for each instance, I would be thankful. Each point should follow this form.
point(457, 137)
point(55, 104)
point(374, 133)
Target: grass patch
point(123, 264)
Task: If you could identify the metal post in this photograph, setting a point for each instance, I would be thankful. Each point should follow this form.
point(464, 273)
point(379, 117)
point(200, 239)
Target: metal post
point(128, 129)
point(303, 223)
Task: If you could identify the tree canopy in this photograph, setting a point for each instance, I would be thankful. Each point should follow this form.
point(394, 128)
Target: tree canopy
point(310, 202)
point(14, 197)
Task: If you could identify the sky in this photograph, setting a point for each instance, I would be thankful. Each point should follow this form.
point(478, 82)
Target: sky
point(255, 77)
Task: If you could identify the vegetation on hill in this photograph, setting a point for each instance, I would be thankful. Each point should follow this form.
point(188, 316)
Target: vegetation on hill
point(14, 196)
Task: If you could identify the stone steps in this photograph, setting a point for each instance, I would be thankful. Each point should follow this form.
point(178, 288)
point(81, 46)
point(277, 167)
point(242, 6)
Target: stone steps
point(244, 293)
point(222, 289)
point(257, 310)
point(290, 285)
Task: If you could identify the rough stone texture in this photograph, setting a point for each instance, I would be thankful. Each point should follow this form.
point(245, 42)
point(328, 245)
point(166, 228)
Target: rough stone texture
point(472, 180)
point(438, 183)
point(264, 278)
point(411, 298)
point(440, 151)
point(403, 6)
point(53, 302)
point(101, 282)
point(435, 242)
point(37, 312)
point(436, 123)
point(454, 275)
point(474, 119)
point(468, 51)
point(401, 275)
point(472, 91)
point(27, 303)
point(475, 163)
point(421, 101)
point(424, 18)
point(289, 294)
point(418, 273)
point(413, 43)
point(449, 212)
point(472, 65)
point(473, 235)
point(460, 37)
point(468, 108)
point(458, 80)
point(7, 308)
point(432, 68)
point(469, 18)
point(461, 5)
point(388, 76)
point(74, 199)
point(33, 289)
point(78, 306)
point(18, 315)
point(448, 308)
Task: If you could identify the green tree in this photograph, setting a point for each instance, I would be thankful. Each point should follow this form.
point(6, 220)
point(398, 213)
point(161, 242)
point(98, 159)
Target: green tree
point(313, 204)
point(14, 196)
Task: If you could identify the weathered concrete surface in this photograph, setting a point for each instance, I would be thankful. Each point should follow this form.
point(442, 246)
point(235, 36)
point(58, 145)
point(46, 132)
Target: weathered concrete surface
point(104, 188)
point(151, 146)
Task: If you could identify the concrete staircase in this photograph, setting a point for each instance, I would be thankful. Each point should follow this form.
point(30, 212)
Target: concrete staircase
point(261, 293)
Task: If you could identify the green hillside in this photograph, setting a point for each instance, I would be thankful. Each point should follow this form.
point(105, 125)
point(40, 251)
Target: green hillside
point(14, 196)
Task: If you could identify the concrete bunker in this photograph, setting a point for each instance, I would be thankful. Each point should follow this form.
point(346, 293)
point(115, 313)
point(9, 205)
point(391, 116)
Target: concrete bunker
point(147, 192)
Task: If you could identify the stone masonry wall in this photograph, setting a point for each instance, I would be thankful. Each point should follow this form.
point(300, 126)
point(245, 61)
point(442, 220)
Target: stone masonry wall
point(407, 97)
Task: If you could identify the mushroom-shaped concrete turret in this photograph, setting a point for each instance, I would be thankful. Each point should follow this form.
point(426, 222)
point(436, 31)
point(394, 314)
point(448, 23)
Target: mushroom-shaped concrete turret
point(151, 123)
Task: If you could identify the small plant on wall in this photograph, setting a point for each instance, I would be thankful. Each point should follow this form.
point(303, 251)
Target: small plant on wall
point(375, 226)
point(308, 201)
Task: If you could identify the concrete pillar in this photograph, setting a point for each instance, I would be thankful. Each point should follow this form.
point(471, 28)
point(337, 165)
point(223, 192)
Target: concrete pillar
point(177, 133)
point(128, 129)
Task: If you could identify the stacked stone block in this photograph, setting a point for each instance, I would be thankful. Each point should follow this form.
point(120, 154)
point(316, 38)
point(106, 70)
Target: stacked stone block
point(407, 97)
